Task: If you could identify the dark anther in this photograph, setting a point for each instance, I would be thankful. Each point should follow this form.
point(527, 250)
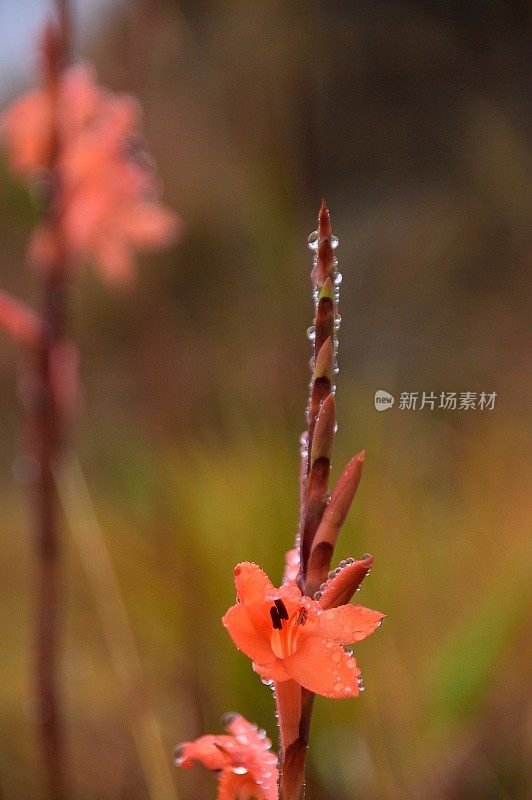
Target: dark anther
point(276, 621)
point(302, 617)
point(281, 608)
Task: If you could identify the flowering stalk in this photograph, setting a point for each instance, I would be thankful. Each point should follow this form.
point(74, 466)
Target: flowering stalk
point(321, 515)
point(295, 703)
point(47, 424)
point(297, 634)
point(101, 205)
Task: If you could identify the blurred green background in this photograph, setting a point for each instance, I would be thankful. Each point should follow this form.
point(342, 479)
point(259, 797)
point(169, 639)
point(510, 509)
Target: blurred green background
point(412, 118)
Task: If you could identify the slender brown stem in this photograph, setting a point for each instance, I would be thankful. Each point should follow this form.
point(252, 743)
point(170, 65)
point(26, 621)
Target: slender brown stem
point(47, 435)
point(48, 431)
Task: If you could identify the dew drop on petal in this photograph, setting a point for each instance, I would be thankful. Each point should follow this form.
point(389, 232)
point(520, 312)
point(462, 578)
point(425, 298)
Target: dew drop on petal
point(334, 242)
point(228, 718)
point(313, 240)
point(338, 278)
point(311, 333)
point(240, 770)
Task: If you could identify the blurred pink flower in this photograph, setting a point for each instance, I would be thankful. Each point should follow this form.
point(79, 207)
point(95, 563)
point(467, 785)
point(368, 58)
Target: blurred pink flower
point(109, 188)
point(19, 321)
point(242, 758)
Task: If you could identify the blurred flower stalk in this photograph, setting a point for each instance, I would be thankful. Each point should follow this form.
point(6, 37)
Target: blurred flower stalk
point(79, 147)
point(297, 635)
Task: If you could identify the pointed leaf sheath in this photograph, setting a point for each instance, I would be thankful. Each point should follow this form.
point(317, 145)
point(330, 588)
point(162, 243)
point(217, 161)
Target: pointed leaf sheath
point(322, 382)
point(324, 315)
point(321, 421)
point(324, 265)
point(333, 518)
point(318, 479)
point(344, 582)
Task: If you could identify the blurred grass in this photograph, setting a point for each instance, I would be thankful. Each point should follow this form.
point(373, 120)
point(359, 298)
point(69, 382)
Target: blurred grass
point(456, 595)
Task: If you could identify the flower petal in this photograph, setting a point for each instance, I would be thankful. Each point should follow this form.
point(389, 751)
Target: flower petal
point(229, 785)
point(203, 750)
point(252, 583)
point(246, 637)
point(272, 671)
point(347, 624)
point(324, 668)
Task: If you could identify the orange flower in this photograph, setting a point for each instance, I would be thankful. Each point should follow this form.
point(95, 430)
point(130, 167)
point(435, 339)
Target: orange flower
point(243, 759)
point(109, 187)
point(289, 635)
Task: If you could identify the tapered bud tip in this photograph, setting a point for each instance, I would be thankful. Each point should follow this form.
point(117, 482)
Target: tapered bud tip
point(324, 221)
point(327, 290)
point(361, 456)
point(328, 407)
point(50, 45)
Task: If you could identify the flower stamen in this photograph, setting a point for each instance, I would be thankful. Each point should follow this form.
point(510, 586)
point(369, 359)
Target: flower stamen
point(281, 608)
point(276, 619)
